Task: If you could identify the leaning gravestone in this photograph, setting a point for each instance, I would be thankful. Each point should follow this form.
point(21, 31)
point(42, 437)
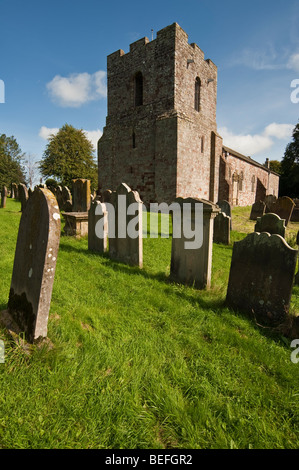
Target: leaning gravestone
point(81, 195)
point(226, 209)
point(257, 210)
point(284, 208)
point(222, 224)
point(3, 197)
point(23, 195)
point(125, 230)
point(270, 223)
point(261, 277)
point(98, 227)
point(34, 267)
point(193, 266)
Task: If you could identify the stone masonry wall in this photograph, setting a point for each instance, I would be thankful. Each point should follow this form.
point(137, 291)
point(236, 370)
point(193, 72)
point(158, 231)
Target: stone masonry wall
point(243, 182)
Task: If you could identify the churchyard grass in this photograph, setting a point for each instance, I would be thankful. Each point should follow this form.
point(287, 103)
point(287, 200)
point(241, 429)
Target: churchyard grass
point(142, 362)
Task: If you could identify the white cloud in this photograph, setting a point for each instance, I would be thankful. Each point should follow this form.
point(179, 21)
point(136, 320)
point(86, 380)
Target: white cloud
point(249, 144)
point(280, 131)
point(45, 132)
point(293, 62)
point(77, 89)
point(92, 136)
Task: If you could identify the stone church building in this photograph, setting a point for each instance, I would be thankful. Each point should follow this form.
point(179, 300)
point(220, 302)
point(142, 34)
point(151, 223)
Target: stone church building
point(161, 133)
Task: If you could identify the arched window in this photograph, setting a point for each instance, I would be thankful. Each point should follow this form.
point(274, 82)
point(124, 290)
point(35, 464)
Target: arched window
point(138, 89)
point(197, 94)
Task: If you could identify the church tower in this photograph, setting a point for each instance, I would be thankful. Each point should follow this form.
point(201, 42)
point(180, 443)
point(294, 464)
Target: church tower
point(161, 133)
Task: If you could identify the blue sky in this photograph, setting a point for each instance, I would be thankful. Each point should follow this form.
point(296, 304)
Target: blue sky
point(53, 64)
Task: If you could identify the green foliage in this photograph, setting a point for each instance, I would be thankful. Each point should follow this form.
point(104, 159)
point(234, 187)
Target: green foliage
point(11, 159)
point(289, 181)
point(69, 155)
point(50, 182)
point(275, 165)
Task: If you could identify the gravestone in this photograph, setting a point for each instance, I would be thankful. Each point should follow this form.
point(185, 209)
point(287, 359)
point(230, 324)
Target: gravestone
point(257, 210)
point(261, 277)
point(284, 207)
point(222, 224)
point(270, 223)
point(125, 230)
point(3, 196)
point(226, 209)
point(81, 195)
point(193, 266)
point(23, 195)
point(295, 214)
point(14, 191)
point(98, 227)
point(270, 201)
point(66, 199)
point(34, 267)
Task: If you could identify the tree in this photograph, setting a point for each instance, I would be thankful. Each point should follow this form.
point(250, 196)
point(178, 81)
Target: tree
point(11, 162)
point(69, 155)
point(275, 165)
point(289, 181)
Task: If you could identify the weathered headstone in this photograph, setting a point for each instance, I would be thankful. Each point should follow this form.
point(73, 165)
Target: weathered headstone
point(125, 237)
point(23, 195)
point(261, 277)
point(81, 195)
point(295, 214)
point(270, 223)
point(14, 191)
point(226, 209)
point(270, 201)
point(3, 196)
point(222, 229)
point(34, 267)
point(66, 199)
point(257, 210)
point(193, 266)
point(98, 227)
point(284, 208)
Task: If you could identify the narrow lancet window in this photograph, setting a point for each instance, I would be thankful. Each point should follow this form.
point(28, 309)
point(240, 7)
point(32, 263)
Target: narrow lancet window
point(138, 89)
point(197, 94)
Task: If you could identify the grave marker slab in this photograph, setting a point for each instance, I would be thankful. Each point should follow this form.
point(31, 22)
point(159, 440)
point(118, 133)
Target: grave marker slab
point(270, 223)
point(226, 208)
point(81, 195)
point(34, 267)
point(194, 266)
point(284, 208)
point(270, 201)
point(23, 195)
point(222, 224)
point(98, 227)
point(261, 277)
point(122, 246)
point(3, 197)
point(295, 213)
point(257, 210)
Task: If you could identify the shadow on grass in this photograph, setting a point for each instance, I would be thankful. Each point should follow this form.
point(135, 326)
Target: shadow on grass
point(205, 299)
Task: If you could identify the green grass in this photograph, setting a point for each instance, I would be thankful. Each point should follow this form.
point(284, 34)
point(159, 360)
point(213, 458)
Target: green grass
point(141, 362)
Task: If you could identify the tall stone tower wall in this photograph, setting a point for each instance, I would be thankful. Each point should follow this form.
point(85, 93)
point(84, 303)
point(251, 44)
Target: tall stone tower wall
point(166, 145)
